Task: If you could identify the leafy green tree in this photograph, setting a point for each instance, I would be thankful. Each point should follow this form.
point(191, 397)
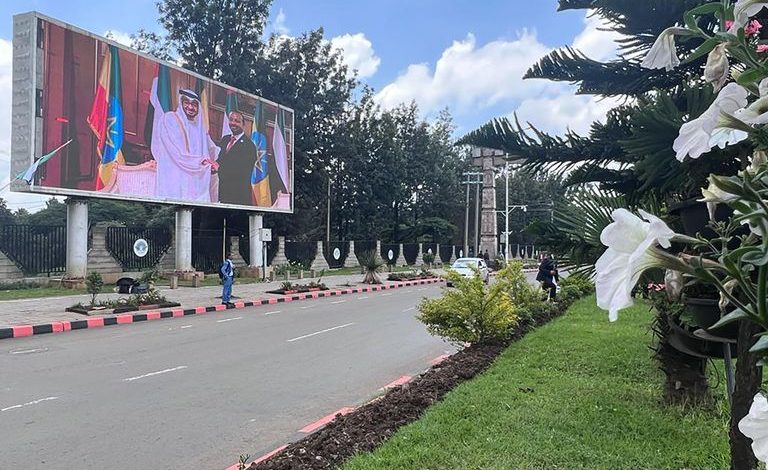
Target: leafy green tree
point(6, 215)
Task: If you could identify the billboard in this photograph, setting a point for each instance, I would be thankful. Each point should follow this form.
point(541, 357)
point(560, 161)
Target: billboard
point(136, 128)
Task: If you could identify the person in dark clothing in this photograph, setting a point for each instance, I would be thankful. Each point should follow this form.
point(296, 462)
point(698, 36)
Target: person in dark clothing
point(548, 275)
point(236, 161)
point(486, 256)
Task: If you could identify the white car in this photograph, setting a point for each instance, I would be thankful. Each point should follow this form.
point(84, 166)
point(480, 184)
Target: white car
point(464, 266)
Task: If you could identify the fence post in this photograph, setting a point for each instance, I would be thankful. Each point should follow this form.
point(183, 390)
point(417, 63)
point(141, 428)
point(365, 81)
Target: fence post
point(419, 256)
point(351, 259)
point(400, 257)
point(319, 263)
point(280, 258)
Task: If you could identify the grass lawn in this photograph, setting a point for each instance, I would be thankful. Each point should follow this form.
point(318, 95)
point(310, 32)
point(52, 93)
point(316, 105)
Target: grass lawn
point(36, 292)
point(579, 392)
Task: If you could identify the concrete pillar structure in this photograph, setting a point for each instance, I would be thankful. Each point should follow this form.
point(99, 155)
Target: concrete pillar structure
point(319, 263)
point(77, 238)
point(183, 240)
point(378, 252)
point(420, 256)
point(280, 258)
point(255, 224)
point(400, 257)
point(351, 260)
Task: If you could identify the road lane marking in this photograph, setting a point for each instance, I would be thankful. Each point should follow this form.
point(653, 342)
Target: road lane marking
point(339, 302)
point(308, 306)
point(409, 309)
point(423, 288)
point(229, 319)
point(387, 294)
point(131, 379)
point(362, 297)
point(35, 402)
point(186, 326)
point(29, 351)
point(319, 332)
point(272, 313)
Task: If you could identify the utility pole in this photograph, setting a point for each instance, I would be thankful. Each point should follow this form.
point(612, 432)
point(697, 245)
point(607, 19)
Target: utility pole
point(328, 215)
point(506, 218)
point(472, 178)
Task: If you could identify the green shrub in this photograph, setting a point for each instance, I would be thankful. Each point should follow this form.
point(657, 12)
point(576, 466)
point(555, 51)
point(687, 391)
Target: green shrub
point(428, 258)
point(371, 265)
point(471, 312)
point(522, 293)
point(94, 283)
point(582, 283)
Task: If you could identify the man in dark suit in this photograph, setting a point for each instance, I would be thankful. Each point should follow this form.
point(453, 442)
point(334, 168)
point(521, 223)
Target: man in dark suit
point(236, 160)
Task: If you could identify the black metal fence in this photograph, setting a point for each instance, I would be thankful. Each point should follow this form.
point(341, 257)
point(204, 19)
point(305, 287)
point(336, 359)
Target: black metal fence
point(390, 248)
point(35, 249)
point(120, 242)
point(364, 246)
point(446, 253)
point(272, 248)
point(411, 252)
point(329, 250)
point(302, 253)
point(207, 252)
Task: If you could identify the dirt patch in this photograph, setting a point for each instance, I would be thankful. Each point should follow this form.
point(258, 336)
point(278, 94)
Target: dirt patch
point(370, 425)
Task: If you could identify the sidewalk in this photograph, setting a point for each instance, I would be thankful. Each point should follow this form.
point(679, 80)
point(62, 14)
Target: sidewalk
point(51, 309)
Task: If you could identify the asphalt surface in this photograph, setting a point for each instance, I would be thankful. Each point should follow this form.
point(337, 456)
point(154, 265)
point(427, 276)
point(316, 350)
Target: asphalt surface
point(196, 392)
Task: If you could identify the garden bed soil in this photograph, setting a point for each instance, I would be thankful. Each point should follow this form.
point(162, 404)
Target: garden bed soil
point(366, 428)
point(296, 291)
point(124, 309)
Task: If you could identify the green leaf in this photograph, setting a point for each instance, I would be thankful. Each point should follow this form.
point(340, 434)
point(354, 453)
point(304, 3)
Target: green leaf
point(736, 315)
point(758, 258)
point(751, 76)
point(706, 9)
point(704, 49)
point(760, 345)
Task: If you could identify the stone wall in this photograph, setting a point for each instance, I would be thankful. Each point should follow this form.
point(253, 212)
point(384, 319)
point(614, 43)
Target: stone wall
point(8, 270)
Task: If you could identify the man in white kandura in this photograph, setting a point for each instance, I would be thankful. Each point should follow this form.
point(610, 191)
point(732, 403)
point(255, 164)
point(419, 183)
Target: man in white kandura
point(184, 151)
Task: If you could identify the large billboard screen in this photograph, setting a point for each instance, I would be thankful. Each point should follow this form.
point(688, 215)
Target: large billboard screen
point(136, 128)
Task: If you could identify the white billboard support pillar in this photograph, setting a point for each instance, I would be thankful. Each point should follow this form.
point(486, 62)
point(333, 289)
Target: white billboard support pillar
point(183, 240)
point(77, 238)
point(255, 224)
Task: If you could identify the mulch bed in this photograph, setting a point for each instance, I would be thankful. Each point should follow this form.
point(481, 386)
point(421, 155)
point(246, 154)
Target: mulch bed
point(369, 426)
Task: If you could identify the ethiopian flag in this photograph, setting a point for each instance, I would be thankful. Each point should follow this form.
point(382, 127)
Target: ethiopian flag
point(262, 196)
point(106, 117)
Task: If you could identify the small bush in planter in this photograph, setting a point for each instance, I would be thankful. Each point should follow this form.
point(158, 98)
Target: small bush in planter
point(94, 284)
point(429, 258)
point(286, 286)
point(371, 265)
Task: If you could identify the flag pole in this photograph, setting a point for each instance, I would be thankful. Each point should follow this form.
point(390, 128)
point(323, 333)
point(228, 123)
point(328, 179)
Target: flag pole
point(224, 241)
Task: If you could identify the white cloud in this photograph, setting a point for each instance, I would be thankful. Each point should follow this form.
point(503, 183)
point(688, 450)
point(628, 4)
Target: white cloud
point(467, 76)
point(279, 26)
point(119, 37)
point(566, 110)
point(595, 41)
point(358, 54)
point(470, 79)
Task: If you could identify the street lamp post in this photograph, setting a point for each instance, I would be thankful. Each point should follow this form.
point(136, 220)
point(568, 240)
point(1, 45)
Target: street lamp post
point(506, 218)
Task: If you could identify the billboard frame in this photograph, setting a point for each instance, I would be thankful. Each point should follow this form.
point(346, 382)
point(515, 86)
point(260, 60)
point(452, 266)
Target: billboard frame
point(26, 114)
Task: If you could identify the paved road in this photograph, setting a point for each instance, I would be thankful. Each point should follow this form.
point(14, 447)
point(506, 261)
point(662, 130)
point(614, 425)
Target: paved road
point(195, 392)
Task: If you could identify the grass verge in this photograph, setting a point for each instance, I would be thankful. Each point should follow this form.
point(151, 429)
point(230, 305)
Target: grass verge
point(38, 292)
point(579, 392)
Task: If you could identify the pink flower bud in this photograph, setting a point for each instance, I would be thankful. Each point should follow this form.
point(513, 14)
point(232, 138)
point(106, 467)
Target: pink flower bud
point(752, 28)
point(762, 48)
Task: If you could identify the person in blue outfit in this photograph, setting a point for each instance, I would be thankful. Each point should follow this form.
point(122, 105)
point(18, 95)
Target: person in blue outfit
point(227, 275)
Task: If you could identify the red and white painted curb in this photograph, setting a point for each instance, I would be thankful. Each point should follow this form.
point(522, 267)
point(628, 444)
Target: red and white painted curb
point(98, 322)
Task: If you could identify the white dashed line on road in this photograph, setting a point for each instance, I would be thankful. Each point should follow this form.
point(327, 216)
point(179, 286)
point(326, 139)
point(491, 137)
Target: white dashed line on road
point(186, 326)
point(29, 351)
point(339, 302)
point(409, 309)
point(35, 402)
point(272, 313)
point(165, 371)
point(362, 297)
point(319, 332)
point(229, 319)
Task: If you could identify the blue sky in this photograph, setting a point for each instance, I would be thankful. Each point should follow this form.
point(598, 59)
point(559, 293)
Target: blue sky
point(466, 55)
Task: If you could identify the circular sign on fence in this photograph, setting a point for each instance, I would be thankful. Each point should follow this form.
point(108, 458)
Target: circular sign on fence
point(390, 255)
point(141, 247)
point(336, 253)
point(429, 251)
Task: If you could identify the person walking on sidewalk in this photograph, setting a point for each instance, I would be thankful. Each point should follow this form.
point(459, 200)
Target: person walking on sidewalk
point(227, 275)
point(548, 276)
